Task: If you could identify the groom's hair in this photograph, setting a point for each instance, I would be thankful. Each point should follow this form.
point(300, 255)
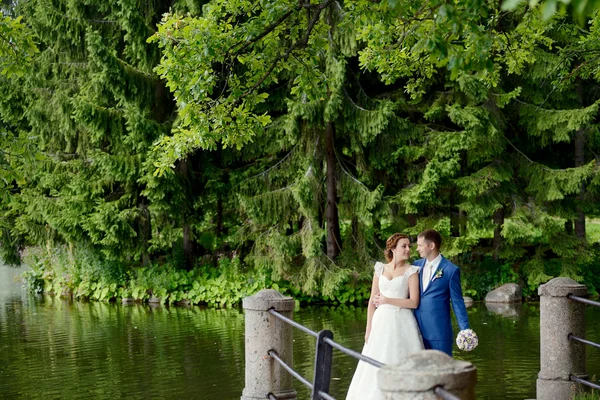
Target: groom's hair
point(432, 235)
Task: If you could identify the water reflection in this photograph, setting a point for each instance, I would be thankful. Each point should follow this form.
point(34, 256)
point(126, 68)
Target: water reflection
point(505, 309)
point(53, 348)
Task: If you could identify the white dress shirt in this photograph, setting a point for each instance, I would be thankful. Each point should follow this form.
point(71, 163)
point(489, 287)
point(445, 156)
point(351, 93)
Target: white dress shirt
point(429, 270)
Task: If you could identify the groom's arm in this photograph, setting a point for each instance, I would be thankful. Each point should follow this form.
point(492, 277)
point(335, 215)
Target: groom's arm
point(458, 303)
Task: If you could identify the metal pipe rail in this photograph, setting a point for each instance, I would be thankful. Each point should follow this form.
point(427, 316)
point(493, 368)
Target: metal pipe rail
point(325, 396)
point(293, 323)
point(444, 394)
point(584, 382)
point(323, 362)
point(578, 339)
point(354, 354)
point(584, 300)
point(584, 341)
point(289, 369)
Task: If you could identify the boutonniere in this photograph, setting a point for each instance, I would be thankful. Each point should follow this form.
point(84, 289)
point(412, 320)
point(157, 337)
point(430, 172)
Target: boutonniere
point(438, 274)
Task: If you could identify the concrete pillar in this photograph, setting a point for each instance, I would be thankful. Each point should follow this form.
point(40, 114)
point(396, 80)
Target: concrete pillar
point(559, 356)
point(266, 332)
point(419, 374)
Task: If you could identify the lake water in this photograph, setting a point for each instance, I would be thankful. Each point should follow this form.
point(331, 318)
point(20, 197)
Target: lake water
point(56, 349)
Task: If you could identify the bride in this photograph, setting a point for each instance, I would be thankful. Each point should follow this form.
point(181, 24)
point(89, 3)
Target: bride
point(392, 331)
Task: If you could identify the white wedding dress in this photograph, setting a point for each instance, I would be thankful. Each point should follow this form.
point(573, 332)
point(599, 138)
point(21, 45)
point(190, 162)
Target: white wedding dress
point(394, 335)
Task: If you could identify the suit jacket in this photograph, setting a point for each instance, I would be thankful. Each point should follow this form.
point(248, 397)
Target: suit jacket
point(433, 313)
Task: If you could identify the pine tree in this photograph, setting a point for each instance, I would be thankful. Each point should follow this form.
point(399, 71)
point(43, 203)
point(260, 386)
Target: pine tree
point(93, 106)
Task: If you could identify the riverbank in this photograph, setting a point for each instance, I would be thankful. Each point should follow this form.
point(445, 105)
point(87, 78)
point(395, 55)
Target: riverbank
point(86, 278)
point(82, 275)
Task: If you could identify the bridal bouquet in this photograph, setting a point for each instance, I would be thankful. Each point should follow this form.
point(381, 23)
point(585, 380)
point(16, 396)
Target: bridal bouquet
point(467, 340)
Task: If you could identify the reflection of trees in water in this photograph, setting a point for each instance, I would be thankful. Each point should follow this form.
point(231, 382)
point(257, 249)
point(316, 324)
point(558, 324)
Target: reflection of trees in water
point(68, 349)
point(109, 350)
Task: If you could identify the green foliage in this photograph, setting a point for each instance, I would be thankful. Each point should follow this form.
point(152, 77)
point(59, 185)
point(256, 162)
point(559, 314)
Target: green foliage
point(480, 276)
point(201, 156)
point(81, 120)
point(580, 9)
point(84, 276)
point(17, 46)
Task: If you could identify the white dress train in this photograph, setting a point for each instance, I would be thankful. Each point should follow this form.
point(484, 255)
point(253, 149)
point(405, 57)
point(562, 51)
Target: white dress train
point(394, 335)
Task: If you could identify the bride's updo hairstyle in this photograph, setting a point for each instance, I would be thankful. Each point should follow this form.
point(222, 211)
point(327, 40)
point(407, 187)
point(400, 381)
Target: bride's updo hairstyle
point(391, 244)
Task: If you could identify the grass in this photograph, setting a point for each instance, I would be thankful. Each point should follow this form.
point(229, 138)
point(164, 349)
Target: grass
point(586, 395)
point(592, 230)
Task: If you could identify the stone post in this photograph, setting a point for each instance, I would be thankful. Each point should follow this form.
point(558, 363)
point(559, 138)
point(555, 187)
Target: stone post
point(559, 356)
point(420, 373)
point(266, 332)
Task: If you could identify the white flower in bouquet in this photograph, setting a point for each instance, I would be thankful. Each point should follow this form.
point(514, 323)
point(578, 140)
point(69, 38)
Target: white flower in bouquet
point(467, 340)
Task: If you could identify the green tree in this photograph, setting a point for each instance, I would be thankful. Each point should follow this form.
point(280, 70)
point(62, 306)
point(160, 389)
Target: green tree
point(17, 48)
point(502, 87)
point(92, 105)
point(299, 135)
point(279, 74)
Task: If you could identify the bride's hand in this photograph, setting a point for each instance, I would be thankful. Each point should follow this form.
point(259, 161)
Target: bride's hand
point(376, 300)
point(381, 299)
point(367, 337)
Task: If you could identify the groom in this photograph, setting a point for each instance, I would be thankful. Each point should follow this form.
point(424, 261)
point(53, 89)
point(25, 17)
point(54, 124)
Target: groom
point(440, 283)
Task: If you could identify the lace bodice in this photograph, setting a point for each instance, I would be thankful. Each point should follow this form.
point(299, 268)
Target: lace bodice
point(397, 287)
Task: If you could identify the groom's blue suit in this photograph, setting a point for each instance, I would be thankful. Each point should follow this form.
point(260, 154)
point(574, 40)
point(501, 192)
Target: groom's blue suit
point(433, 313)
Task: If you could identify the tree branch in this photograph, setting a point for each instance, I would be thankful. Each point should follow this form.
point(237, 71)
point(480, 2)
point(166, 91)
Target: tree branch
point(299, 44)
point(269, 29)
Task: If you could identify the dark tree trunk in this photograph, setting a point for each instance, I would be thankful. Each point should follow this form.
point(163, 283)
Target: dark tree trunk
point(498, 221)
point(219, 221)
point(189, 247)
point(454, 227)
point(219, 227)
point(355, 230)
point(579, 161)
point(412, 219)
point(455, 214)
point(145, 231)
point(334, 239)
point(569, 227)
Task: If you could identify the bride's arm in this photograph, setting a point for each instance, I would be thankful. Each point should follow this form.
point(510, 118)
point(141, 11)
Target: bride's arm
point(371, 308)
point(413, 295)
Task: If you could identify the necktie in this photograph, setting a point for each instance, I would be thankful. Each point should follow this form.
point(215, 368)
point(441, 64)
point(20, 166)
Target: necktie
point(426, 275)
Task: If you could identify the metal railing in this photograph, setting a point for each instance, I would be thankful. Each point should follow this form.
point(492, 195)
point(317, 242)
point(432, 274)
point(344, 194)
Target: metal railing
point(444, 394)
point(323, 363)
point(584, 341)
